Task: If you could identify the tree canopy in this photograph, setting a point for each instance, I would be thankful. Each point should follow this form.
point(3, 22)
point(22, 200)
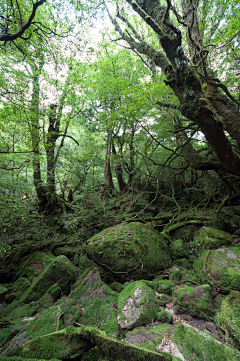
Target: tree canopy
point(119, 96)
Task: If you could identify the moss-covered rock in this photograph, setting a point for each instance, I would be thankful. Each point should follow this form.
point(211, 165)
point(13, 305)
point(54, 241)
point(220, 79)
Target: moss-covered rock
point(164, 316)
point(196, 345)
point(19, 287)
point(228, 319)
point(196, 301)
point(74, 342)
point(137, 305)
point(60, 271)
point(95, 303)
point(211, 238)
point(131, 250)
point(178, 249)
point(220, 267)
point(32, 266)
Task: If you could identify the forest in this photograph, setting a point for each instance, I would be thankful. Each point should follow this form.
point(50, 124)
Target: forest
point(119, 180)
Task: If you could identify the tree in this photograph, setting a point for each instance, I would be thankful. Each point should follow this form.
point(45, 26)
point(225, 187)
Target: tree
point(203, 98)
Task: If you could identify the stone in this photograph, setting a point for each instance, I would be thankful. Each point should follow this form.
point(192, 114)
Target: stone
point(129, 251)
point(228, 318)
point(137, 306)
point(196, 345)
point(60, 271)
point(196, 301)
point(220, 267)
point(211, 238)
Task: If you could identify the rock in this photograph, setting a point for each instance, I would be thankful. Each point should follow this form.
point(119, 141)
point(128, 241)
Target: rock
point(17, 289)
point(73, 342)
point(211, 238)
point(193, 300)
point(60, 271)
point(67, 251)
point(220, 267)
point(95, 303)
point(228, 319)
point(137, 305)
point(31, 267)
point(154, 338)
point(178, 249)
point(196, 345)
point(129, 251)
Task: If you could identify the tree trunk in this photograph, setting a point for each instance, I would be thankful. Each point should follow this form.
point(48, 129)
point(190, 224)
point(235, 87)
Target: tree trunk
point(118, 168)
point(107, 167)
point(35, 138)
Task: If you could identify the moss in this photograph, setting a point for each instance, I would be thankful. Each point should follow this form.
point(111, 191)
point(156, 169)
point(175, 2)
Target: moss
point(3, 334)
point(131, 250)
point(185, 263)
point(31, 266)
point(164, 286)
point(178, 249)
point(60, 271)
point(220, 267)
point(211, 238)
point(196, 345)
point(117, 287)
point(196, 301)
point(228, 319)
point(91, 355)
point(164, 316)
point(73, 342)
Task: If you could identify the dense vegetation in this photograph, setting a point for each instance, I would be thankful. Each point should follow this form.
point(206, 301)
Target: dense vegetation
point(98, 101)
point(119, 178)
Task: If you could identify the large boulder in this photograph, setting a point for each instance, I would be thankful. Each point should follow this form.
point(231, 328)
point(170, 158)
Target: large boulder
point(178, 249)
point(129, 251)
point(196, 345)
point(220, 267)
point(60, 271)
point(72, 343)
point(137, 305)
point(228, 319)
point(196, 301)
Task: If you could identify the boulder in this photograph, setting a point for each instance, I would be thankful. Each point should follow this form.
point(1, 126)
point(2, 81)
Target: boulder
point(95, 303)
point(196, 301)
point(129, 251)
point(228, 319)
point(220, 267)
point(72, 343)
point(163, 286)
point(211, 238)
point(60, 271)
point(196, 345)
point(137, 305)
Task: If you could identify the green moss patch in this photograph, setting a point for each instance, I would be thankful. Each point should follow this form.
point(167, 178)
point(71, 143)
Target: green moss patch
point(228, 319)
point(196, 301)
point(73, 342)
point(196, 345)
point(211, 238)
point(220, 267)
